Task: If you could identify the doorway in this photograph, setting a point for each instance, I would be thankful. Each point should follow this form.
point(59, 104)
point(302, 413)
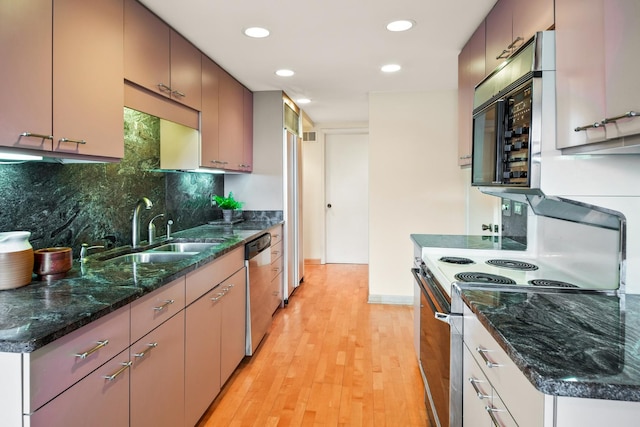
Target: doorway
point(347, 198)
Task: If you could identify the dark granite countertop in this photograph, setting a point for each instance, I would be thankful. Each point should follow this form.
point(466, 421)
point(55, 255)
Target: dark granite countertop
point(41, 312)
point(567, 343)
point(454, 241)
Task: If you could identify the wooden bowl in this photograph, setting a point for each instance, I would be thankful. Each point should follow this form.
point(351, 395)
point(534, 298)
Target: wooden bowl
point(52, 263)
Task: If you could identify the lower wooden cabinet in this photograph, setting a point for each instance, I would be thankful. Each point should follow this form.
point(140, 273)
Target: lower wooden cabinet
point(233, 324)
point(157, 376)
point(94, 401)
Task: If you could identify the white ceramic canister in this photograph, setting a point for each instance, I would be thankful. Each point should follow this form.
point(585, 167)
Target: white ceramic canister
point(16, 259)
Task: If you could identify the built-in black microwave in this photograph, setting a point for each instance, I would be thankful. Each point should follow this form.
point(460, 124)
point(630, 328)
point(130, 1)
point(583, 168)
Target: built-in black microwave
point(511, 105)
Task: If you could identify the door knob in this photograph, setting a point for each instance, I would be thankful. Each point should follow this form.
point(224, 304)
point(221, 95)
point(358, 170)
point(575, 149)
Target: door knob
point(329, 205)
point(486, 227)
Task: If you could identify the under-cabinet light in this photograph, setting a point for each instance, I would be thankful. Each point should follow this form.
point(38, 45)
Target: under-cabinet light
point(13, 157)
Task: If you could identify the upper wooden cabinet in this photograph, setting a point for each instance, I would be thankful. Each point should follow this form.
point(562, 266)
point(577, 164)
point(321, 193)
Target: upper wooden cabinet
point(78, 111)
point(159, 59)
point(597, 71)
point(512, 22)
point(235, 110)
point(209, 142)
point(471, 70)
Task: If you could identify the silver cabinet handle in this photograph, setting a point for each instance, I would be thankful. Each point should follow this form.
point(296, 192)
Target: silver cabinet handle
point(492, 410)
point(504, 54)
point(125, 366)
point(514, 42)
point(474, 383)
point(165, 305)
point(178, 93)
point(149, 347)
point(483, 353)
point(89, 352)
point(74, 141)
point(164, 88)
point(36, 135)
point(628, 114)
point(217, 297)
point(592, 126)
point(468, 156)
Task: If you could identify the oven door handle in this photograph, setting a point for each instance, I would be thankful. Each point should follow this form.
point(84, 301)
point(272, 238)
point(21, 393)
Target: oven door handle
point(443, 317)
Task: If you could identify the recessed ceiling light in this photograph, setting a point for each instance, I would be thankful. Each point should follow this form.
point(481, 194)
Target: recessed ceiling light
point(303, 100)
point(256, 32)
point(390, 68)
point(400, 25)
point(285, 73)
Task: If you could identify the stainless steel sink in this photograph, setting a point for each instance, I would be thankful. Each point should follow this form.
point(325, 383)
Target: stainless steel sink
point(152, 257)
point(182, 247)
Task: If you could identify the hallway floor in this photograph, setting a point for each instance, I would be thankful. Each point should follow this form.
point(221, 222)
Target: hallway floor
point(329, 359)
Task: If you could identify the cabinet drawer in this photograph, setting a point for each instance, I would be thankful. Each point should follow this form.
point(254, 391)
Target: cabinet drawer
point(151, 310)
point(276, 251)
point(105, 403)
point(276, 267)
point(276, 234)
point(202, 280)
point(522, 399)
point(477, 391)
point(56, 366)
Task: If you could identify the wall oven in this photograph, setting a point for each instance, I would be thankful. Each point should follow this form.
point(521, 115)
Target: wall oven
point(435, 349)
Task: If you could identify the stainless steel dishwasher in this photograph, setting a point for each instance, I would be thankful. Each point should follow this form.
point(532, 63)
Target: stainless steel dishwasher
point(258, 262)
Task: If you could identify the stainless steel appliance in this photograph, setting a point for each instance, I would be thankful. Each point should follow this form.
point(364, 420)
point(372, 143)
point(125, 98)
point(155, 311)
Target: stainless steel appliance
point(435, 345)
point(511, 106)
point(293, 202)
point(259, 311)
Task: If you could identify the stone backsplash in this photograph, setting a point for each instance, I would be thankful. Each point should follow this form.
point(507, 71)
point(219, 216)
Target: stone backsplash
point(71, 204)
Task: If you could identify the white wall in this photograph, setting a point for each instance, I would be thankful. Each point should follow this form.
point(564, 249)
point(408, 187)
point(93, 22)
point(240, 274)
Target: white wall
point(415, 184)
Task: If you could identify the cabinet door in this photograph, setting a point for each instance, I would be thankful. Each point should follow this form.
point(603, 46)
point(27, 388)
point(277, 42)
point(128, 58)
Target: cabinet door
point(471, 70)
point(499, 34)
point(530, 17)
point(25, 43)
point(157, 376)
point(231, 122)
point(209, 117)
point(247, 131)
point(93, 401)
point(202, 354)
point(233, 338)
point(622, 65)
point(580, 76)
point(88, 94)
point(146, 49)
point(186, 72)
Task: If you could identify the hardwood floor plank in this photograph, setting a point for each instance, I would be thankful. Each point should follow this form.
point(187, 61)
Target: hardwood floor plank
point(329, 359)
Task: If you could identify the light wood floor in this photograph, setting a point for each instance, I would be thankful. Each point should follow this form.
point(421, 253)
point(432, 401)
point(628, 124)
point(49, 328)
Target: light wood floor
point(329, 359)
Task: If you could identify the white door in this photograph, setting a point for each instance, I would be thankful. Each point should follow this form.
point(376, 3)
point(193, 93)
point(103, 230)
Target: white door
point(347, 198)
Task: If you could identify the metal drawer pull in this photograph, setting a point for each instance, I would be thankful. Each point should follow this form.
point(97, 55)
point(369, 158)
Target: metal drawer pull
point(36, 135)
point(74, 141)
point(628, 114)
point(113, 376)
point(217, 297)
point(488, 362)
point(87, 353)
point(150, 345)
point(513, 43)
point(474, 382)
point(164, 88)
point(178, 93)
point(491, 410)
point(504, 55)
point(165, 305)
point(593, 126)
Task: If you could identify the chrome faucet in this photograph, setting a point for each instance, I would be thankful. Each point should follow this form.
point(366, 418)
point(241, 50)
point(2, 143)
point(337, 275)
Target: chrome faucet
point(135, 223)
point(152, 228)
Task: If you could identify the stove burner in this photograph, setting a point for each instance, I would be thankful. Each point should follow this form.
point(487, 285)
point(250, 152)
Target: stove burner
point(456, 260)
point(514, 265)
point(472, 276)
point(554, 283)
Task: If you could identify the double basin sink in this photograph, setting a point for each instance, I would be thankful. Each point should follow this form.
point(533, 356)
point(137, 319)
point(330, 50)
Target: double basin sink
point(168, 252)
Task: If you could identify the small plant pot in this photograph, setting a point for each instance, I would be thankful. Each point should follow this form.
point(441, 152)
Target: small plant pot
point(227, 215)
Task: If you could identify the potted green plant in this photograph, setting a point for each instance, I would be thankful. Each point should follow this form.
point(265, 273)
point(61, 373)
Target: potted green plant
point(228, 205)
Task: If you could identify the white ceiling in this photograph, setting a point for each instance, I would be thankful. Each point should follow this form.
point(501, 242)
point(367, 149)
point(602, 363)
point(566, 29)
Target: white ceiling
point(336, 47)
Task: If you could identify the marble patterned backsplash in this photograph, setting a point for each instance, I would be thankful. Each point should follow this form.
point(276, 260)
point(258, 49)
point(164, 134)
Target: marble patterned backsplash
point(71, 204)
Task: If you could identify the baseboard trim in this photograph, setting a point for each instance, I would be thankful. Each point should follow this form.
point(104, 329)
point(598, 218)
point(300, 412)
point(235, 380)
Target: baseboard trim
point(313, 261)
point(390, 299)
